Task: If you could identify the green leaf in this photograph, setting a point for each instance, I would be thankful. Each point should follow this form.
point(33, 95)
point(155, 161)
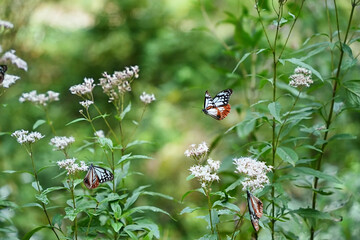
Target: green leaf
point(287, 155)
point(274, 109)
point(116, 226)
point(312, 213)
point(38, 123)
point(76, 120)
point(209, 237)
point(136, 142)
point(106, 143)
point(141, 209)
point(234, 185)
point(57, 220)
point(35, 186)
point(352, 89)
point(318, 174)
point(32, 205)
point(158, 195)
point(43, 198)
point(189, 210)
point(343, 136)
point(28, 235)
point(115, 206)
point(126, 110)
point(200, 190)
point(134, 196)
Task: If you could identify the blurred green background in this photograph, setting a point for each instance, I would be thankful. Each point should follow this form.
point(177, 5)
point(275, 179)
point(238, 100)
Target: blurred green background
point(182, 48)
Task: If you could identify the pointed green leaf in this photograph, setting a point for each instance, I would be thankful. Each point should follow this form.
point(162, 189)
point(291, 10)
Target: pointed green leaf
point(274, 109)
point(287, 155)
point(38, 123)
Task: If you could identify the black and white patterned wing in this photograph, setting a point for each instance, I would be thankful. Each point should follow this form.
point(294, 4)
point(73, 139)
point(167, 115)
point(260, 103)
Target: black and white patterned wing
point(255, 210)
point(222, 98)
point(103, 174)
point(3, 69)
point(208, 101)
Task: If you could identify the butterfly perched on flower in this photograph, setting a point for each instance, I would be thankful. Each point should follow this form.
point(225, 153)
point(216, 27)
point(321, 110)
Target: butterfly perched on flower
point(3, 69)
point(97, 175)
point(255, 210)
point(217, 107)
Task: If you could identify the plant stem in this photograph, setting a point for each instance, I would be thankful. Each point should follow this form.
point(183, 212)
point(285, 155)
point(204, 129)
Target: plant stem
point(329, 119)
point(49, 122)
point(74, 206)
point(39, 190)
point(113, 170)
point(107, 124)
point(210, 207)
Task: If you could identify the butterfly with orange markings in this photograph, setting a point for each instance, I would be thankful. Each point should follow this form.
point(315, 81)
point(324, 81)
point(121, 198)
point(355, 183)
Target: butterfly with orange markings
point(217, 107)
point(255, 210)
point(97, 175)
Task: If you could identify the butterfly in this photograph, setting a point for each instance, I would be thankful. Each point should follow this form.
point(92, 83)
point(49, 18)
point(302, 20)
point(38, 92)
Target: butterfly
point(255, 210)
point(217, 107)
point(3, 69)
point(97, 175)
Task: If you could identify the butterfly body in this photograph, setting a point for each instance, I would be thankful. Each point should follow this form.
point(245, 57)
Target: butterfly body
point(217, 107)
point(255, 210)
point(3, 69)
point(97, 175)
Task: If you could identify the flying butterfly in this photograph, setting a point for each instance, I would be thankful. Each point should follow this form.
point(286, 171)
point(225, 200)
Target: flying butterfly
point(3, 69)
point(97, 175)
point(255, 210)
point(217, 107)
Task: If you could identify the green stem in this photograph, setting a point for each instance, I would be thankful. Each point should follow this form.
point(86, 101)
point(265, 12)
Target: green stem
point(107, 124)
point(49, 122)
point(74, 206)
point(329, 119)
point(210, 207)
point(113, 170)
point(39, 190)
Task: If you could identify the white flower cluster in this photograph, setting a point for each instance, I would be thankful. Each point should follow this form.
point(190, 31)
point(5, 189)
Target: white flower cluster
point(147, 98)
point(22, 136)
point(10, 55)
point(301, 77)
point(86, 104)
point(9, 80)
point(6, 24)
point(60, 143)
point(82, 89)
point(255, 171)
point(206, 174)
point(197, 151)
point(72, 167)
point(118, 83)
point(99, 134)
point(40, 99)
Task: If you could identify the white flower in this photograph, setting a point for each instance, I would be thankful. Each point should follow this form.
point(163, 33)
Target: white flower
point(206, 174)
point(6, 24)
point(72, 167)
point(147, 98)
point(10, 55)
point(22, 136)
point(255, 171)
point(99, 134)
point(301, 77)
point(197, 151)
point(39, 99)
point(86, 104)
point(82, 89)
point(60, 143)
point(9, 80)
point(119, 82)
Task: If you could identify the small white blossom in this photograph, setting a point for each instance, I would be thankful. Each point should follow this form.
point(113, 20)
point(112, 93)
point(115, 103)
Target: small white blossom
point(301, 77)
point(206, 174)
point(147, 98)
point(118, 83)
point(22, 136)
point(60, 143)
point(39, 99)
point(99, 134)
point(82, 89)
point(86, 104)
point(10, 55)
point(9, 80)
point(255, 171)
point(72, 167)
point(6, 24)
point(197, 151)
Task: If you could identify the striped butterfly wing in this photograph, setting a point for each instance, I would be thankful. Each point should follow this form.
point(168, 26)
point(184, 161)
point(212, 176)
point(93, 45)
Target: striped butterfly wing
point(217, 107)
point(97, 175)
point(255, 210)
point(3, 69)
